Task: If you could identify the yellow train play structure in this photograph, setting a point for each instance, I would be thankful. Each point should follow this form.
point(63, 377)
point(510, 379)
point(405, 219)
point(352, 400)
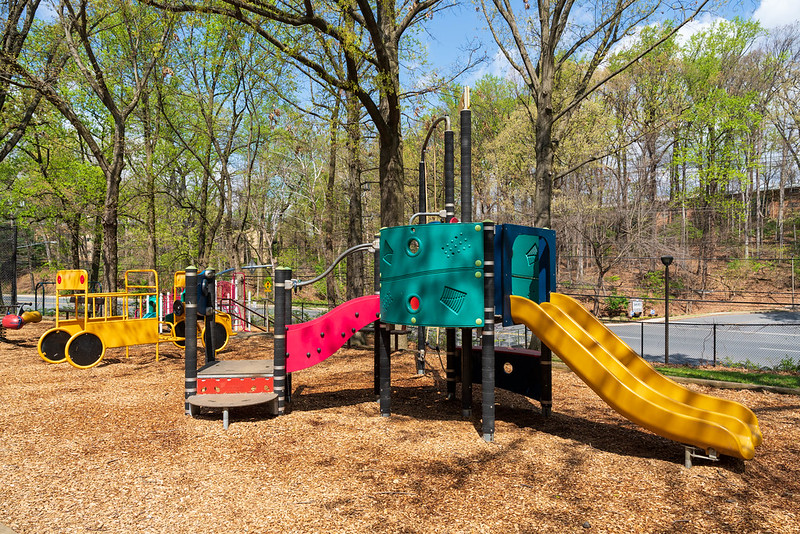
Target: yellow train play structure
point(110, 320)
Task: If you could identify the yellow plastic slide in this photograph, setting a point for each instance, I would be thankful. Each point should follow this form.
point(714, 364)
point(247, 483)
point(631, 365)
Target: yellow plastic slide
point(631, 386)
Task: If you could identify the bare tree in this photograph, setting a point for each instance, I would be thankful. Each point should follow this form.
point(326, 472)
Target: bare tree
point(542, 47)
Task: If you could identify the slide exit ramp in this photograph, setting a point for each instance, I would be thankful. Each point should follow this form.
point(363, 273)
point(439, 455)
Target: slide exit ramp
point(629, 384)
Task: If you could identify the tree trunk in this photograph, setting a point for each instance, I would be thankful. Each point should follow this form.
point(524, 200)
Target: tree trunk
point(330, 206)
point(390, 131)
point(391, 178)
point(94, 271)
point(355, 227)
point(74, 225)
point(150, 141)
point(111, 207)
point(543, 174)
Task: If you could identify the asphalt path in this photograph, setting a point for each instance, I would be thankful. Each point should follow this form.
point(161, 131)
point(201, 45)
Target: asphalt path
point(762, 339)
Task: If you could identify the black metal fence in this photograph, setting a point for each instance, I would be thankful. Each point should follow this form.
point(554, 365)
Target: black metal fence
point(8, 264)
point(773, 346)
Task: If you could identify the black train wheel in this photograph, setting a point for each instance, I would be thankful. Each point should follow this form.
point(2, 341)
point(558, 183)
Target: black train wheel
point(220, 336)
point(85, 350)
point(52, 345)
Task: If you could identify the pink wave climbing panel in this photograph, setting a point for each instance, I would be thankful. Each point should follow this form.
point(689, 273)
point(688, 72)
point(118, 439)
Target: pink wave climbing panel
point(311, 342)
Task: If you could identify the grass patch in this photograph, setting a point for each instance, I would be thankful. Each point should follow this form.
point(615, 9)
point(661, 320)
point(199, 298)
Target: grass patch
point(783, 380)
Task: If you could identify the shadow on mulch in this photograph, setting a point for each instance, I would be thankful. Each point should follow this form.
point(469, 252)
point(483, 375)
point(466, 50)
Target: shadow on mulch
point(22, 343)
point(620, 439)
point(429, 404)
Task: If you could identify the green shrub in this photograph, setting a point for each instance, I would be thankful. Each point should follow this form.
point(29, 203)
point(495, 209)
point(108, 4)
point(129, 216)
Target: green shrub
point(616, 304)
point(788, 365)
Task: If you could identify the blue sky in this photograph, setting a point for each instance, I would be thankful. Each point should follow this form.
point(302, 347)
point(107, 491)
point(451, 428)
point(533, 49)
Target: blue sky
point(451, 31)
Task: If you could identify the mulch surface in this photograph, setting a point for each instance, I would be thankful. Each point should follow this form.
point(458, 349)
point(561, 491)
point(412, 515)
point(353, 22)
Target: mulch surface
point(109, 449)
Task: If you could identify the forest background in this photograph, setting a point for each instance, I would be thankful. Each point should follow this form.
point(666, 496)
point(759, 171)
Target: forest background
point(159, 134)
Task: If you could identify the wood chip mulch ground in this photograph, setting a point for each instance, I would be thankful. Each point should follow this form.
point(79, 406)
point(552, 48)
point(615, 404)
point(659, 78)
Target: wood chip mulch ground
point(109, 449)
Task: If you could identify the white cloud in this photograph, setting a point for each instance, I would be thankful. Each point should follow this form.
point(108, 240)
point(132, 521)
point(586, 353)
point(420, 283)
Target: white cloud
point(774, 13)
point(498, 66)
point(695, 26)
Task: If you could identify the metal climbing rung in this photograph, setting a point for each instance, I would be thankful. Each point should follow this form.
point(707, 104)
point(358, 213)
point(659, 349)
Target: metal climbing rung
point(694, 452)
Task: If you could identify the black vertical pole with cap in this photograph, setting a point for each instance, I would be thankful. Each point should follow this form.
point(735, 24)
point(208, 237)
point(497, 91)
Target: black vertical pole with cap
point(376, 326)
point(466, 216)
point(450, 207)
point(209, 290)
point(282, 274)
point(288, 306)
point(487, 338)
point(423, 207)
point(382, 356)
point(667, 261)
point(190, 333)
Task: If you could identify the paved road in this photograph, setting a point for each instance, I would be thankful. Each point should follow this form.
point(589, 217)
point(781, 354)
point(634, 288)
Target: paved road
point(763, 339)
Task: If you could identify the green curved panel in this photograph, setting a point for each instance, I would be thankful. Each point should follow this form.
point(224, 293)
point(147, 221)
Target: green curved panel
point(432, 275)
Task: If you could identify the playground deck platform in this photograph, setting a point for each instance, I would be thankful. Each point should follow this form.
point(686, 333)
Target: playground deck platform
point(234, 384)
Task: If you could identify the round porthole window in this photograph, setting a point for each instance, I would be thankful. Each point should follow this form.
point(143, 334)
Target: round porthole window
point(413, 247)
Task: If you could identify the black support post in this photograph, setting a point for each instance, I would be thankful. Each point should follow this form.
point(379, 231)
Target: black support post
point(383, 375)
point(209, 314)
point(385, 370)
point(450, 371)
point(376, 326)
point(487, 338)
point(282, 275)
point(466, 372)
point(466, 216)
point(190, 333)
point(450, 207)
point(449, 175)
point(466, 165)
point(423, 219)
point(546, 377)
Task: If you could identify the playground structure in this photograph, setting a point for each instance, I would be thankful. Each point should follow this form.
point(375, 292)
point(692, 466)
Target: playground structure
point(465, 276)
point(206, 294)
point(102, 320)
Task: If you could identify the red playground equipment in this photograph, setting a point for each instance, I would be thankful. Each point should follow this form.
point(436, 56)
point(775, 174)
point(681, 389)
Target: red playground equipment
point(15, 321)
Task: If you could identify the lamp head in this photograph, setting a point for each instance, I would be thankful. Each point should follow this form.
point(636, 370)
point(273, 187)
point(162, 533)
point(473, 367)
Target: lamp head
point(666, 260)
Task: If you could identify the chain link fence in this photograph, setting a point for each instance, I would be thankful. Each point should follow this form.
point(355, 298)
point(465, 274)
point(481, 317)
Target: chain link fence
point(766, 346)
point(8, 263)
point(773, 346)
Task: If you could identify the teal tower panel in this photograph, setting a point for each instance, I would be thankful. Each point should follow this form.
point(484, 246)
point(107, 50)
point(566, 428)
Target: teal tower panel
point(525, 267)
point(432, 275)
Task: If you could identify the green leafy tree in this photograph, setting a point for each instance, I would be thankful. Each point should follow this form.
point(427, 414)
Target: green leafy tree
point(365, 32)
point(718, 124)
point(113, 48)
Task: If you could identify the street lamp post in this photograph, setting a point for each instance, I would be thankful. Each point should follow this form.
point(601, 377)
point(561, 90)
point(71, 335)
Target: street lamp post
point(666, 260)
